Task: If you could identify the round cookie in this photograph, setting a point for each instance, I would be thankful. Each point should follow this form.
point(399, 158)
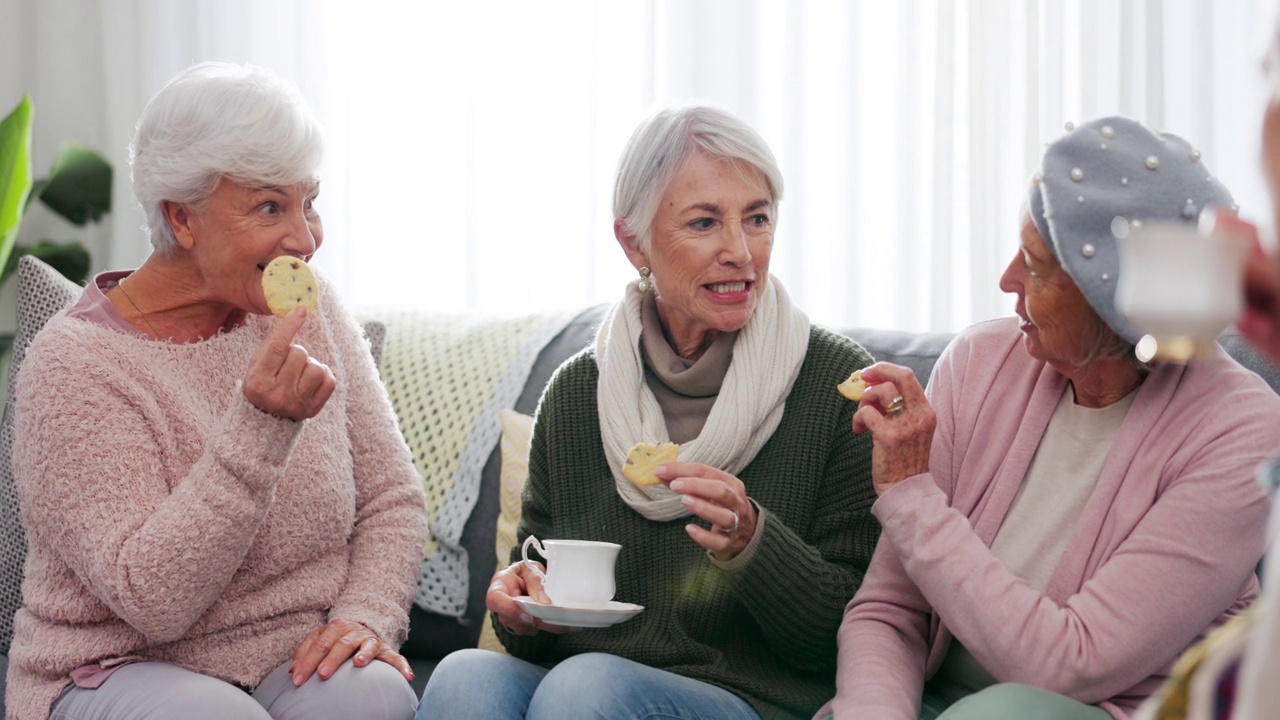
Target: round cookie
point(287, 283)
point(642, 458)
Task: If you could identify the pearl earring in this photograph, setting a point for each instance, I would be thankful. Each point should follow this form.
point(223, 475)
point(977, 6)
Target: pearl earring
point(645, 282)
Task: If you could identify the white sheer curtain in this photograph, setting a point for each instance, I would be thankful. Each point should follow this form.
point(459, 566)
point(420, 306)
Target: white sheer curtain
point(472, 145)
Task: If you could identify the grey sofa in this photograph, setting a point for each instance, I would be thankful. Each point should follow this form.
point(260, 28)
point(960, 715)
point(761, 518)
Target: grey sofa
point(433, 636)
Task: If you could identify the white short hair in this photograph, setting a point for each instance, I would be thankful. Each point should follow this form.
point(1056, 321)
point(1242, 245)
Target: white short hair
point(660, 146)
point(219, 120)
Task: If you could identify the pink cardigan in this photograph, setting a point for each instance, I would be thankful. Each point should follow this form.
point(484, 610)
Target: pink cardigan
point(1163, 551)
point(169, 519)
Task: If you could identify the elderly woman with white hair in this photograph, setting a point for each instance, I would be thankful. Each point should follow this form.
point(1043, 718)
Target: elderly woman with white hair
point(746, 553)
point(223, 518)
point(1061, 518)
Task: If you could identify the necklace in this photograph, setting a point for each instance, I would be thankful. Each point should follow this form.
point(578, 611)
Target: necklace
point(141, 314)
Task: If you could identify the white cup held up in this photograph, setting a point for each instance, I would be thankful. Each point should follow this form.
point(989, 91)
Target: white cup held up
point(579, 572)
point(1179, 285)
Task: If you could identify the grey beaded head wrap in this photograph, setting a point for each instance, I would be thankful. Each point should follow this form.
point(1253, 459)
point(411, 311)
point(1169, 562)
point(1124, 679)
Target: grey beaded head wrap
point(1111, 172)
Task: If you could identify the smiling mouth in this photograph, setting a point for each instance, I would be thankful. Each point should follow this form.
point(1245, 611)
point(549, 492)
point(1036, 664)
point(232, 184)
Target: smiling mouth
point(732, 287)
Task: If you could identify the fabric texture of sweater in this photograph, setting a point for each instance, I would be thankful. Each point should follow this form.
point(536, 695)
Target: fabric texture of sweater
point(1163, 551)
point(169, 519)
point(764, 628)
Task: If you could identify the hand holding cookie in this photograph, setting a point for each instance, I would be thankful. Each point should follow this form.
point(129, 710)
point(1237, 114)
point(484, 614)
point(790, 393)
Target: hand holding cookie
point(718, 498)
point(283, 379)
point(897, 412)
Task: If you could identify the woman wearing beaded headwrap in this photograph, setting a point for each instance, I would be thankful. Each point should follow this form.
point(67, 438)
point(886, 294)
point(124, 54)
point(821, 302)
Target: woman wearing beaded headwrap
point(1061, 519)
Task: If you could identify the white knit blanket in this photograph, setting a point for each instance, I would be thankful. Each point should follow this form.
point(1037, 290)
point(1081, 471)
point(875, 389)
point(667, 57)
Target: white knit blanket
point(448, 377)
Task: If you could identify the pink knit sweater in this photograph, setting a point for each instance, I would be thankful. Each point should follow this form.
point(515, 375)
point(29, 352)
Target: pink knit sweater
point(170, 519)
point(1163, 551)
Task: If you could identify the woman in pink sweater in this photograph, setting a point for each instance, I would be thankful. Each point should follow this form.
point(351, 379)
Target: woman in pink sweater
point(1060, 518)
point(223, 518)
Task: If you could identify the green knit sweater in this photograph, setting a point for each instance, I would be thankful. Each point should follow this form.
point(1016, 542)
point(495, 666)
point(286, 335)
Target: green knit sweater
point(766, 631)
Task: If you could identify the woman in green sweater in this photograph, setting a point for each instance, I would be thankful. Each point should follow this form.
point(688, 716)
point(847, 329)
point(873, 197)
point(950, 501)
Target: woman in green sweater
point(745, 555)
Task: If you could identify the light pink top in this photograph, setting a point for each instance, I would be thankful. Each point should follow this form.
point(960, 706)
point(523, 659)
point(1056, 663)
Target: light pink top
point(170, 519)
point(1163, 552)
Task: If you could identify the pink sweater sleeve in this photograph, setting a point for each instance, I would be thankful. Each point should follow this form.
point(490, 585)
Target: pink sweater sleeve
point(885, 636)
point(391, 525)
point(883, 643)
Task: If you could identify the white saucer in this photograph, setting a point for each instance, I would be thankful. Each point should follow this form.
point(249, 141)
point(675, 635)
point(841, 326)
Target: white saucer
point(611, 614)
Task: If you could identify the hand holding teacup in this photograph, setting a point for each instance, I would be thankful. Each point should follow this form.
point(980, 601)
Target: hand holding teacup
point(578, 574)
point(516, 580)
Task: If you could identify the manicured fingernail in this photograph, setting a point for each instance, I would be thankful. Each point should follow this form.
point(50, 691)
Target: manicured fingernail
point(691, 528)
point(526, 619)
point(676, 485)
point(688, 500)
point(542, 598)
point(297, 680)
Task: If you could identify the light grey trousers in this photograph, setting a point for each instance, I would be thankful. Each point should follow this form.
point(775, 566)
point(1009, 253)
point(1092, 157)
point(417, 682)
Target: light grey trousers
point(156, 691)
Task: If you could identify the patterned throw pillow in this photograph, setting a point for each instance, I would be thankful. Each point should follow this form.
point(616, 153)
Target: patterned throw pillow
point(516, 431)
point(42, 292)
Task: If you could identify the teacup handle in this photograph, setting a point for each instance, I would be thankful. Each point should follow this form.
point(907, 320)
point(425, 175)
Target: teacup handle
point(524, 556)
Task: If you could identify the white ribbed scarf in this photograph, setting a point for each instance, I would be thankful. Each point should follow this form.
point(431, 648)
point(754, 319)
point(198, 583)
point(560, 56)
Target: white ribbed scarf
point(766, 361)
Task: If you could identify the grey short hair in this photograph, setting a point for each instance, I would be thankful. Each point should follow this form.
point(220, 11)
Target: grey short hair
point(219, 120)
point(660, 146)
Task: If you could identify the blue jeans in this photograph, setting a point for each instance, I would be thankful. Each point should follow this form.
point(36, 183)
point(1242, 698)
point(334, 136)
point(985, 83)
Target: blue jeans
point(491, 686)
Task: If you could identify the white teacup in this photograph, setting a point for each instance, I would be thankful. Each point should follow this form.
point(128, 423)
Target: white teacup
point(1179, 287)
point(579, 572)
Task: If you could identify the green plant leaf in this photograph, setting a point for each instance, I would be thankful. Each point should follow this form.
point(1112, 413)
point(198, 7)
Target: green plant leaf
point(69, 258)
point(79, 185)
point(15, 173)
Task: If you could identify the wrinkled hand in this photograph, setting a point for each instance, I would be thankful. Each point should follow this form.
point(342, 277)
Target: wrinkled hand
point(717, 497)
point(328, 646)
point(513, 581)
point(283, 380)
point(900, 441)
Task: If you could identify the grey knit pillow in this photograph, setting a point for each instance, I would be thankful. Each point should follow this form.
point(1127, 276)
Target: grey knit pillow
point(42, 292)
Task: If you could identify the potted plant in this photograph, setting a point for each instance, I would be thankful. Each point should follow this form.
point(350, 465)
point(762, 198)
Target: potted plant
point(78, 188)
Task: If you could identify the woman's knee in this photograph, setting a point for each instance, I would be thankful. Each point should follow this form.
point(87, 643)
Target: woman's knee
point(152, 690)
point(376, 691)
point(479, 684)
point(588, 682)
point(1015, 701)
point(603, 685)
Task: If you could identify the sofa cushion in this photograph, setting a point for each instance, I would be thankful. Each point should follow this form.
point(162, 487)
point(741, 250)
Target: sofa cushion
point(516, 431)
point(42, 292)
point(433, 635)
